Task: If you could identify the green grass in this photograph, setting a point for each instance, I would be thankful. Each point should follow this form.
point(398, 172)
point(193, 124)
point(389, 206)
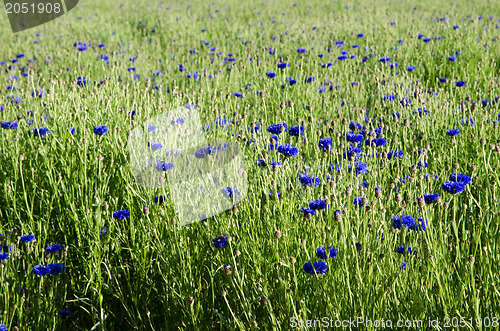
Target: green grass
point(149, 272)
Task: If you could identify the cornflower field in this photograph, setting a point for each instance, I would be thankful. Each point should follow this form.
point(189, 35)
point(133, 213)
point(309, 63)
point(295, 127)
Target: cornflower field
point(369, 136)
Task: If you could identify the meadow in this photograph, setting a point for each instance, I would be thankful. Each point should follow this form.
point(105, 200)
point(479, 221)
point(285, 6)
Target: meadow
point(370, 137)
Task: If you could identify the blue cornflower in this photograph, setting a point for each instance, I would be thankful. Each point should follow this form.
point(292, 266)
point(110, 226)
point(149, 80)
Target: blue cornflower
point(155, 145)
point(456, 177)
point(229, 192)
point(321, 252)
point(377, 141)
point(358, 202)
point(400, 249)
point(308, 180)
point(394, 154)
point(82, 81)
point(65, 313)
point(202, 152)
point(238, 94)
point(452, 132)
point(360, 167)
point(325, 143)
point(27, 238)
point(403, 266)
point(354, 138)
point(271, 74)
point(282, 65)
point(442, 79)
point(306, 210)
point(452, 58)
point(309, 80)
point(121, 214)
point(288, 150)
point(317, 204)
point(460, 83)
point(430, 198)
point(319, 268)
point(41, 132)
point(277, 128)
point(295, 130)
point(410, 68)
point(53, 248)
point(274, 163)
point(396, 222)
point(261, 162)
point(56, 268)
point(160, 199)
point(352, 151)
point(421, 164)
point(9, 125)
point(4, 256)
point(421, 224)
point(408, 221)
point(220, 242)
point(164, 166)
point(453, 187)
point(41, 270)
point(100, 130)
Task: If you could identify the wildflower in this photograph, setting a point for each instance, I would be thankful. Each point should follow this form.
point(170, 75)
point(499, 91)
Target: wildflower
point(41, 270)
point(295, 130)
point(430, 198)
point(277, 128)
point(288, 150)
point(160, 199)
point(65, 313)
point(271, 74)
point(404, 266)
point(229, 192)
point(53, 248)
point(452, 132)
point(56, 268)
point(354, 138)
point(394, 154)
point(321, 253)
point(352, 151)
point(238, 94)
point(308, 180)
point(220, 242)
point(358, 202)
point(202, 152)
point(282, 65)
point(400, 249)
point(4, 256)
point(163, 166)
point(27, 238)
point(377, 141)
point(306, 211)
point(121, 214)
point(442, 80)
point(100, 130)
point(325, 143)
point(9, 125)
point(332, 166)
point(460, 83)
point(410, 68)
point(41, 132)
point(360, 167)
point(455, 177)
point(317, 204)
point(319, 268)
point(453, 187)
